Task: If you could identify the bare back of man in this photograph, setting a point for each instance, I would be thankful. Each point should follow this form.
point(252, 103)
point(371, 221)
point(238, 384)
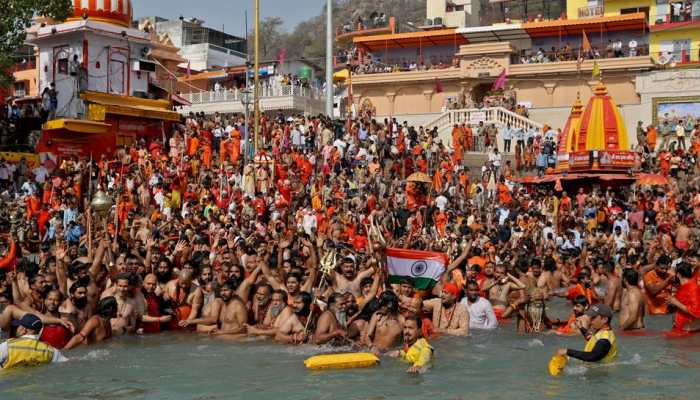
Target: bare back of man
point(632, 309)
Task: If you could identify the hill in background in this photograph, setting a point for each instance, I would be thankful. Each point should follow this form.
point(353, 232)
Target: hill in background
point(308, 39)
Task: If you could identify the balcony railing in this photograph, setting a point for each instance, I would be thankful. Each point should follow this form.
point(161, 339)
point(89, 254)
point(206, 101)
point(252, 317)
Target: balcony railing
point(591, 11)
point(534, 57)
point(235, 95)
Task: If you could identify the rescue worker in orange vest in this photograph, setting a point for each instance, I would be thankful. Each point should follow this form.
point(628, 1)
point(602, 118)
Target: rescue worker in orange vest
point(27, 350)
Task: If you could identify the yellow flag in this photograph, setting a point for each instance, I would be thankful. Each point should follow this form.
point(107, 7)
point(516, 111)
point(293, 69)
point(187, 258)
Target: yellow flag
point(596, 70)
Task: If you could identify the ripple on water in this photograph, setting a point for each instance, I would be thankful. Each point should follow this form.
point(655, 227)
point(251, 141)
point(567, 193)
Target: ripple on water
point(95, 355)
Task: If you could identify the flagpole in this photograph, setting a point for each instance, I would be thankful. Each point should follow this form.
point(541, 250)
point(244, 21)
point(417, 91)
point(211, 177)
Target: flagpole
point(256, 97)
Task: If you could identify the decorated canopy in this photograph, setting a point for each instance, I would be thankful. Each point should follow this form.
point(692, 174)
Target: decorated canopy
point(595, 139)
point(118, 12)
point(601, 126)
point(568, 135)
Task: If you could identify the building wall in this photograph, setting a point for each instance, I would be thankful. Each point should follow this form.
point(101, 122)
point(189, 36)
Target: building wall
point(99, 69)
point(31, 76)
point(690, 33)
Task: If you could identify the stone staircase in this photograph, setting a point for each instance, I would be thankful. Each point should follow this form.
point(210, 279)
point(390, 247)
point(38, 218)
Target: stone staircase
point(472, 116)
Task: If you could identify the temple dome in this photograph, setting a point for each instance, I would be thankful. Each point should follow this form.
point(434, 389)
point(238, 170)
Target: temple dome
point(568, 135)
point(117, 12)
point(601, 126)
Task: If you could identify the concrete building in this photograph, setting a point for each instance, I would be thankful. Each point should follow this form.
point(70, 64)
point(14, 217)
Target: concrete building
point(646, 51)
point(204, 48)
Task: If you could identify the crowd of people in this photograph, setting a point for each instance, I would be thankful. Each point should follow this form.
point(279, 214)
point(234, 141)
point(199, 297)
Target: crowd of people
point(288, 243)
point(613, 49)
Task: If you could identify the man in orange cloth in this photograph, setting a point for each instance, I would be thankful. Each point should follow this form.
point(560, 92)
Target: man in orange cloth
point(657, 286)
point(651, 138)
point(686, 301)
point(457, 144)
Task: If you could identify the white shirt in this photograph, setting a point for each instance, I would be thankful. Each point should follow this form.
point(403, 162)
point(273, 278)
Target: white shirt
point(441, 202)
point(5, 354)
point(481, 315)
point(40, 174)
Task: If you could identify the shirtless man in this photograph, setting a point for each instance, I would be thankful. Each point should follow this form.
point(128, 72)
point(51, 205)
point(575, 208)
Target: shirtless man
point(74, 308)
point(409, 303)
point(185, 298)
point(332, 324)
point(632, 305)
point(260, 304)
point(683, 234)
point(56, 335)
point(292, 330)
point(277, 314)
point(613, 287)
point(126, 318)
point(233, 315)
point(348, 280)
point(450, 317)
point(386, 325)
point(98, 328)
point(499, 288)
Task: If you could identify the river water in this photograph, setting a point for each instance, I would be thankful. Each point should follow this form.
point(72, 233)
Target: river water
point(496, 365)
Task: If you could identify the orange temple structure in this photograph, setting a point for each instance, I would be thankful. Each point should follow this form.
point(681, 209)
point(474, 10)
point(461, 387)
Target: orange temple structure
point(593, 145)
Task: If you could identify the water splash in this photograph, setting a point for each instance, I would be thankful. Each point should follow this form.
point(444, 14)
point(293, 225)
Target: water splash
point(574, 370)
point(535, 343)
point(94, 355)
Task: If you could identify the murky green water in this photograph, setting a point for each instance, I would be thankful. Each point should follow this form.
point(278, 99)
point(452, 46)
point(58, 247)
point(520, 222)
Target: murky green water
point(498, 365)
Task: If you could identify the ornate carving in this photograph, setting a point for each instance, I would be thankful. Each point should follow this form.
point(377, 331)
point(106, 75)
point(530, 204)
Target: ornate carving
point(483, 64)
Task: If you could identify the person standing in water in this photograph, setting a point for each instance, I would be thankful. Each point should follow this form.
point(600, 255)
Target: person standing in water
point(601, 345)
point(27, 350)
point(416, 350)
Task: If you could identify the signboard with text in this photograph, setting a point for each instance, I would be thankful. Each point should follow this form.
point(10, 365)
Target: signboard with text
point(619, 159)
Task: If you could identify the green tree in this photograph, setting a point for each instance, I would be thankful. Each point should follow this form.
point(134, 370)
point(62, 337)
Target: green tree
point(271, 39)
point(15, 18)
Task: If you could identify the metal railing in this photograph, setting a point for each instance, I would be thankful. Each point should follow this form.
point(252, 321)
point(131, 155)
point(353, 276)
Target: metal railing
point(227, 95)
point(488, 115)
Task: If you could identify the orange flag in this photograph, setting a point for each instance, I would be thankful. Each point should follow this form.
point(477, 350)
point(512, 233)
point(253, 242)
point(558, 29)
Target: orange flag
point(585, 44)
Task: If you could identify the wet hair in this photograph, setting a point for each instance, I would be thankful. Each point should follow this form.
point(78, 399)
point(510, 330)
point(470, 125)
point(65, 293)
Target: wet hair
point(580, 300)
point(368, 281)
point(472, 282)
point(306, 299)
point(75, 286)
point(231, 283)
point(333, 298)
point(369, 309)
point(266, 286)
point(107, 307)
point(417, 319)
point(476, 268)
point(123, 276)
point(631, 276)
point(285, 296)
point(663, 260)
point(550, 264)
point(685, 270)
point(391, 300)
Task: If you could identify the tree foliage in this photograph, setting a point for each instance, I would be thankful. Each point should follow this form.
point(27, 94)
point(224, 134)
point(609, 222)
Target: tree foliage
point(308, 39)
point(15, 17)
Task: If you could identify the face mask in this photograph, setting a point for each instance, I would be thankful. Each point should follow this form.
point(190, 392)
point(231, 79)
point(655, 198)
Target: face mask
point(473, 298)
point(79, 302)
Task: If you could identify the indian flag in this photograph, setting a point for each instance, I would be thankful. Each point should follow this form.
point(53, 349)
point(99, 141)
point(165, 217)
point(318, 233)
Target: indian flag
point(423, 268)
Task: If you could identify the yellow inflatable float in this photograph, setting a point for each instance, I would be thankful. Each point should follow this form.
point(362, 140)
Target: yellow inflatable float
point(341, 361)
point(557, 364)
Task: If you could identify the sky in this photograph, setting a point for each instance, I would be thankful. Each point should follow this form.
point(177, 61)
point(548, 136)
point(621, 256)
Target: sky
point(229, 14)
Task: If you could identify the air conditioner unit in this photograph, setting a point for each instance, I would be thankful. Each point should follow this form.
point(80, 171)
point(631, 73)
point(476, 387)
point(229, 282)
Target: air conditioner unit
point(428, 22)
point(437, 21)
point(144, 66)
